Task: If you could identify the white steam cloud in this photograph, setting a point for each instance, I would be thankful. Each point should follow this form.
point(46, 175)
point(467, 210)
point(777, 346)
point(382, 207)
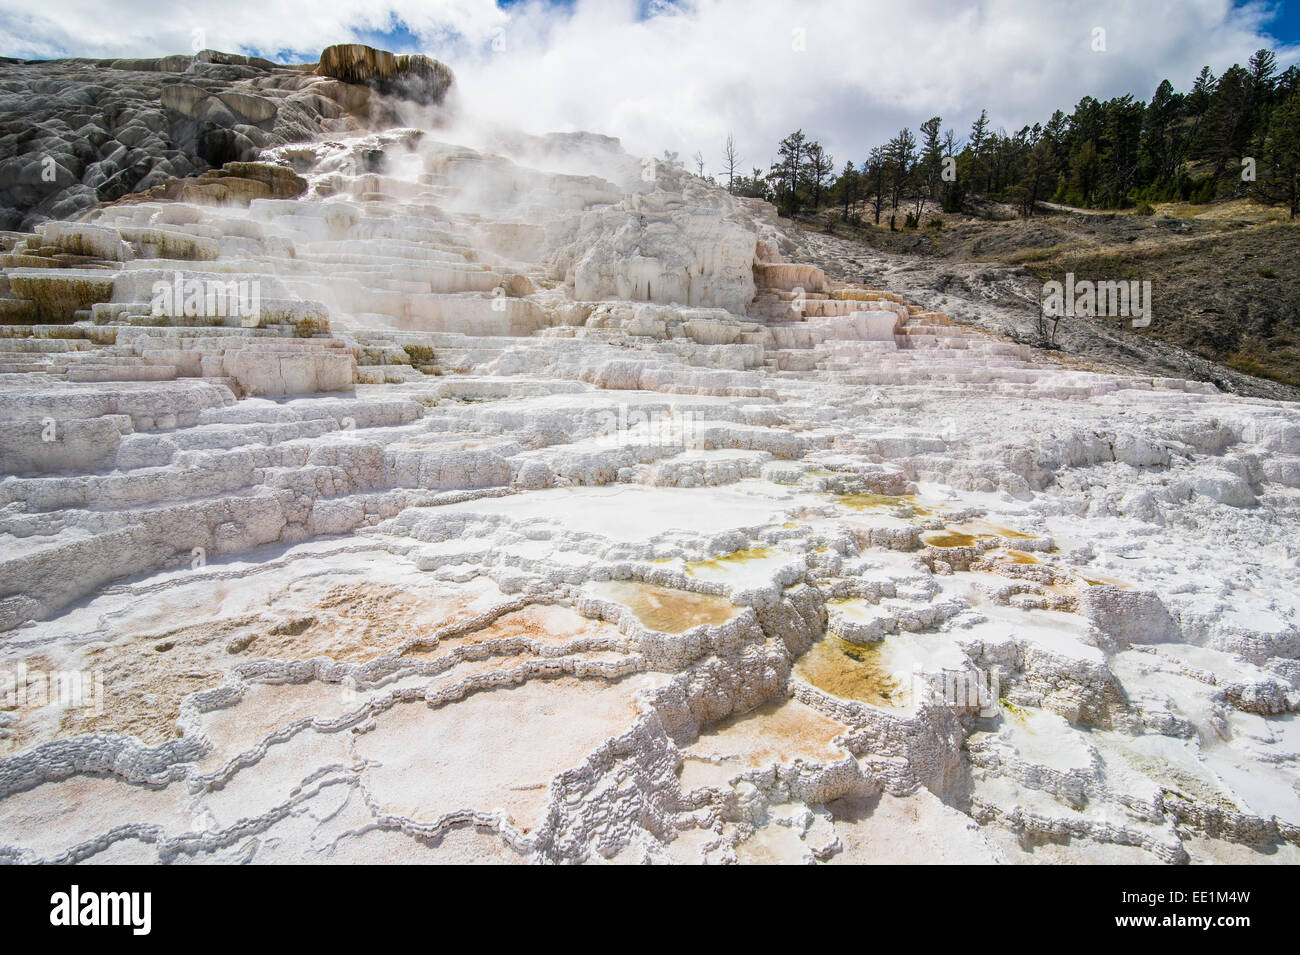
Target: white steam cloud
point(681, 76)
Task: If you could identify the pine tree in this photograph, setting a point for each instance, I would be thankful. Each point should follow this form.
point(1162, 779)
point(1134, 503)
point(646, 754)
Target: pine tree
point(1287, 83)
point(900, 154)
point(1159, 151)
point(1040, 171)
point(786, 171)
point(1263, 70)
point(1197, 106)
point(953, 189)
point(873, 171)
point(931, 162)
point(1263, 80)
point(1228, 119)
point(846, 187)
point(1085, 169)
point(817, 168)
point(1120, 161)
point(1105, 154)
point(976, 146)
point(1282, 181)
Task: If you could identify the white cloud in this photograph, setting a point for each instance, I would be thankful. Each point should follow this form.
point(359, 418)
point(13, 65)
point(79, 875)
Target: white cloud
point(684, 77)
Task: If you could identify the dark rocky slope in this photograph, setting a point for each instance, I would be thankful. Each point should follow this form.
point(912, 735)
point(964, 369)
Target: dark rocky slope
point(78, 132)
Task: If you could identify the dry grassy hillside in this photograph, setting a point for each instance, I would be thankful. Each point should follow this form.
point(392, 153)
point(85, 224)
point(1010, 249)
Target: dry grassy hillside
point(1225, 277)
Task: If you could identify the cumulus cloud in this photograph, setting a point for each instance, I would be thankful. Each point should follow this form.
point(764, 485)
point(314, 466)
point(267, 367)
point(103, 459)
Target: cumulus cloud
point(681, 76)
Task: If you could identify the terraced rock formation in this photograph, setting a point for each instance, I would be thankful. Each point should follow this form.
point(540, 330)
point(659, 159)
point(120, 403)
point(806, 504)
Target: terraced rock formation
point(540, 510)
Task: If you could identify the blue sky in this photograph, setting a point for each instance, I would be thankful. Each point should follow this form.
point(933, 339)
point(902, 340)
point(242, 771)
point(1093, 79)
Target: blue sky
point(1285, 23)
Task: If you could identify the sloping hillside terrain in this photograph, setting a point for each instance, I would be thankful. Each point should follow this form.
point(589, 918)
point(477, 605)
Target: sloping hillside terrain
point(1225, 283)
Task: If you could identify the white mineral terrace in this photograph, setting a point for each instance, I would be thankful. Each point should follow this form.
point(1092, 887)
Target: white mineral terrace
point(544, 510)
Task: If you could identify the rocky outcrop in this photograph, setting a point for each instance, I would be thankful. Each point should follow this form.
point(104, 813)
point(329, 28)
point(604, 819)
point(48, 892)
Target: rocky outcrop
point(239, 182)
point(409, 76)
point(74, 133)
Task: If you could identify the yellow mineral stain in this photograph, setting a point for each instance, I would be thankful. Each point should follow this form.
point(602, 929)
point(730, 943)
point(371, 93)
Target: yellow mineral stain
point(859, 502)
point(732, 559)
point(1102, 581)
point(1020, 557)
point(863, 502)
point(850, 672)
point(1013, 710)
point(666, 609)
point(949, 538)
point(965, 534)
point(985, 529)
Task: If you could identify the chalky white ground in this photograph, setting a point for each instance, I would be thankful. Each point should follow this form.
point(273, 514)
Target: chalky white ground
point(538, 517)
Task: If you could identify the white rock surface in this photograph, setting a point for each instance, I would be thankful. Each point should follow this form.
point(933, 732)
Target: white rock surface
point(546, 512)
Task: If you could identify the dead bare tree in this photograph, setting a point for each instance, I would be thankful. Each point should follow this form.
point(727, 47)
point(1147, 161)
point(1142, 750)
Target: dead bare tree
point(730, 162)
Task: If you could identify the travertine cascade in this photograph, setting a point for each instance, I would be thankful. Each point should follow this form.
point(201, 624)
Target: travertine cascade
point(412, 500)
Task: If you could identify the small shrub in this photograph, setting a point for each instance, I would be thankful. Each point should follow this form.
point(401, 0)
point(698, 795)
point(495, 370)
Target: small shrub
point(308, 327)
point(935, 223)
point(1146, 209)
point(910, 221)
point(1266, 273)
point(1205, 193)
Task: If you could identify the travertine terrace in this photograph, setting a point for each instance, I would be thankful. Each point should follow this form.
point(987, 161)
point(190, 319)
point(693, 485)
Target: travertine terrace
point(552, 505)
